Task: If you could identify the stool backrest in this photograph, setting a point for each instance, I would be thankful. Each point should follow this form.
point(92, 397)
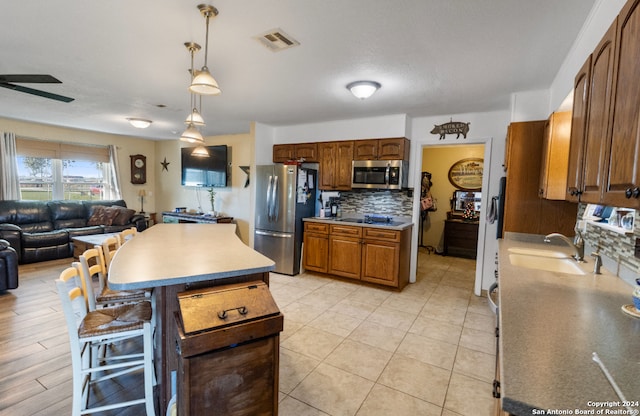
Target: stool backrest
point(127, 234)
point(109, 247)
point(92, 264)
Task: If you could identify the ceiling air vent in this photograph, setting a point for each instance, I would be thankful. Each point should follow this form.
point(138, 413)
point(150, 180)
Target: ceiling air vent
point(276, 40)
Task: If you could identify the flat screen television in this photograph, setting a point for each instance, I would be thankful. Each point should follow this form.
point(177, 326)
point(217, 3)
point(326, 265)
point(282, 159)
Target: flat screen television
point(210, 172)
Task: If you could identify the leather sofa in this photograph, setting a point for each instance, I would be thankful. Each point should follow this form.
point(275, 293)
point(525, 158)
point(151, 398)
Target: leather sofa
point(43, 230)
point(8, 267)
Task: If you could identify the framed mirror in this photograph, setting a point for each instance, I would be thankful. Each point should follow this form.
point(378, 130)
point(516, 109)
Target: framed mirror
point(461, 198)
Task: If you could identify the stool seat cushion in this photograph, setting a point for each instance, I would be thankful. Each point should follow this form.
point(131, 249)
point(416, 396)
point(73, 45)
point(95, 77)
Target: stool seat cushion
point(115, 319)
point(119, 296)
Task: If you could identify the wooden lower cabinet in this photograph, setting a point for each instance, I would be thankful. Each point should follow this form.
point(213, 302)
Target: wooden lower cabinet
point(370, 254)
point(316, 247)
point(345, 251)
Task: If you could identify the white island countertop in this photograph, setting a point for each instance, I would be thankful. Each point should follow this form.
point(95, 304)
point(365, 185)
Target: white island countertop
point(170, 254)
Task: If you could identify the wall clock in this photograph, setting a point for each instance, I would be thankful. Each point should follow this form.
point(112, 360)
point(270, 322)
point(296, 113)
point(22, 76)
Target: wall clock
point(138, 169)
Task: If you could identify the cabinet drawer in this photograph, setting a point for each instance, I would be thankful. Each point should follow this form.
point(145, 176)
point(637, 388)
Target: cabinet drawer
point(381, 234)
point(316, 227)
point(346, 230)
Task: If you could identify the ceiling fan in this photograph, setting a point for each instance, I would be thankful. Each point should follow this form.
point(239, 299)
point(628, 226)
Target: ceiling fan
point(9, 81)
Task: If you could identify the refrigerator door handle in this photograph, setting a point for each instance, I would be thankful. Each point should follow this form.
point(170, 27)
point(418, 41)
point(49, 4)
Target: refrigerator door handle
point(275, 199)
point(272, 234)
point(269, 197)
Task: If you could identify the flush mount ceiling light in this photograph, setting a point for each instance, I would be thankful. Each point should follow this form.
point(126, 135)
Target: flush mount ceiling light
point(363, 89)
point(139, 123)
point(194, 117)
point(204, 83)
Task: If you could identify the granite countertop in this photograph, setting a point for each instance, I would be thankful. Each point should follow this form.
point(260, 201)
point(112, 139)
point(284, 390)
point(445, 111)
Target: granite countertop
point(400, 223)
point(550, 325)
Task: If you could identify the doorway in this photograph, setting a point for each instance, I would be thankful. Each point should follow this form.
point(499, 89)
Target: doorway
point(436, 163)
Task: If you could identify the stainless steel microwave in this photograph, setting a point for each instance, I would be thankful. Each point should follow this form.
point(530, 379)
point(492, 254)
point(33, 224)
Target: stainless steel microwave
point(379, 174)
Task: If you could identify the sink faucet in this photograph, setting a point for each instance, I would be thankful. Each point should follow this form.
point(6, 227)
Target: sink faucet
point(577, 244)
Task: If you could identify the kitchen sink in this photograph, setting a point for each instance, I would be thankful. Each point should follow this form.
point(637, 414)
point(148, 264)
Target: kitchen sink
point(547, 263)
point(539, 252)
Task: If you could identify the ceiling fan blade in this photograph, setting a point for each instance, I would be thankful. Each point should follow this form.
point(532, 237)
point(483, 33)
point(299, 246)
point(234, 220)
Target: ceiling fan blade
point(30, 78)
point(36, 92)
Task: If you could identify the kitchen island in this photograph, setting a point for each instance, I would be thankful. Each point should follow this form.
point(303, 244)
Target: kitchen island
point(172, 258)
point(551, 323)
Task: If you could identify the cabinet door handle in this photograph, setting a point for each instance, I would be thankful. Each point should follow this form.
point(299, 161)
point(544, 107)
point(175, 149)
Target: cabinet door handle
point(628, 192)
point(574, 191)
point(636, 192)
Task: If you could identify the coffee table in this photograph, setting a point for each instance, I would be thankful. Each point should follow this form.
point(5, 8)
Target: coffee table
point(82, 243)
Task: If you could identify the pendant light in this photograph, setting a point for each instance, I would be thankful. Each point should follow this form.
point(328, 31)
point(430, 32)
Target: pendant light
point(194, 117)
point(192, 134)
point(200, 151)
point(204, 83)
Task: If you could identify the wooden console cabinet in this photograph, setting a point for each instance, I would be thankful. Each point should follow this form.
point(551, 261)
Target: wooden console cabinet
point(460, 238)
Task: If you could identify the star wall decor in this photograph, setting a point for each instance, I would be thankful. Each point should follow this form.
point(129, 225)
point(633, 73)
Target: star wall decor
point(165, 164)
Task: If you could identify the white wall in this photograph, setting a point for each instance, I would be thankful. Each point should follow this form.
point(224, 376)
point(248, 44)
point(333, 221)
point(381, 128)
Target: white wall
point(235, 200)
point(361, 128)
point(485, 128)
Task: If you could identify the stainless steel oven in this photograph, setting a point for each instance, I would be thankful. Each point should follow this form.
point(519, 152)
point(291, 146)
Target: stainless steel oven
point(379, 174)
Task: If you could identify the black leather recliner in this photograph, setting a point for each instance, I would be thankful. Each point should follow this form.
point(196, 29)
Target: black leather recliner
point(43, 230)
point(8, 266)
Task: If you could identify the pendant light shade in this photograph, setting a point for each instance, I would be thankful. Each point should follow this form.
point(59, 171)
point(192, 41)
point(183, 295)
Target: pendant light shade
point(204, 83)
point(200, 151)
point(195, 118)
point(192, 135)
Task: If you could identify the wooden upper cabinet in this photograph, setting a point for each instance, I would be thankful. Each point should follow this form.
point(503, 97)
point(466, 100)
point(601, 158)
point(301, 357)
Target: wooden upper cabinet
point(283, 153)
point(382, 149)
point(365, 150)
point(622, 183)
point(286, 152)
point(335, 165)
point(393, 149)
point(595, 153)
point(555, 156)
point(307, 151)
point(578, 130)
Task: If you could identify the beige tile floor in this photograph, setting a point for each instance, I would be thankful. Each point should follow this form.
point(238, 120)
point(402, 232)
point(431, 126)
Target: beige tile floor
point(353, 349)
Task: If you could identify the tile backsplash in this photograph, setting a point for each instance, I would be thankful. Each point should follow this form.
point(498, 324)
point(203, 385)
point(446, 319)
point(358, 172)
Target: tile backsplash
point(394, 203)
point(619, 247)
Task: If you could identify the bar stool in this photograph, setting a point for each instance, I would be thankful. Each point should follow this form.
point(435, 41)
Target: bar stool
point(109, 247)
point(93, 264)
point(90, 330)
point(127, 234)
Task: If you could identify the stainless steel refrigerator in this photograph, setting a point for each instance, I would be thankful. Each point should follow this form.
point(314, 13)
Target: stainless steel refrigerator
point(284, 195)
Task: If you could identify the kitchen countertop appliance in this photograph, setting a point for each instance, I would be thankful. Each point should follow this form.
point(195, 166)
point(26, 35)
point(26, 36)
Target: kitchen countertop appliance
point(284, 195)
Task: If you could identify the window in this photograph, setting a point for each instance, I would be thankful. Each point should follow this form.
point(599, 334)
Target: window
point(53, 171)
